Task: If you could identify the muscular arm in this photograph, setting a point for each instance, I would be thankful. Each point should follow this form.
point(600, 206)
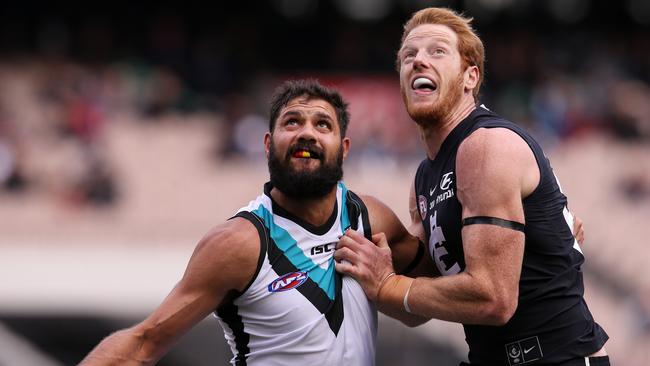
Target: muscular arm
point(224, 260)
point(495, 168)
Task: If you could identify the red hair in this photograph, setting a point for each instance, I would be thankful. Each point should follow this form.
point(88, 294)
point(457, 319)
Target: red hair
point(470, 46)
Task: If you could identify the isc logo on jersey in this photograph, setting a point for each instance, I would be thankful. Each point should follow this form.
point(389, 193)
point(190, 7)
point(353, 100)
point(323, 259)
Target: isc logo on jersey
point(288, 281)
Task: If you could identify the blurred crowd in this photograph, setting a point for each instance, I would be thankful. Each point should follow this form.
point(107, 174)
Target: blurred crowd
point(559, 86)
point(61, 90)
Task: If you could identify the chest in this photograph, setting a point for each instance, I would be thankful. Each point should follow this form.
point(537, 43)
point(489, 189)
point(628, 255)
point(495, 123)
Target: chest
point(303, 248)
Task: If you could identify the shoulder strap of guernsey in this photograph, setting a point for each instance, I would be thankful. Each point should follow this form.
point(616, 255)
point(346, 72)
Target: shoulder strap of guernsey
point(356, 207)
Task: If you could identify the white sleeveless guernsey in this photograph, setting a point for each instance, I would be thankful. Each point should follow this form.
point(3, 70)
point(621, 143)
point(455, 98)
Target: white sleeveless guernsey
point(298, 310)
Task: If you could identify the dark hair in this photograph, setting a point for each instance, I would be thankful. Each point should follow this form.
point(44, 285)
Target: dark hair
point(311, 89)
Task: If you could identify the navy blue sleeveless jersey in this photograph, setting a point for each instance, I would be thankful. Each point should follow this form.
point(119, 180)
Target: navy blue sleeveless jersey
point(552, 322)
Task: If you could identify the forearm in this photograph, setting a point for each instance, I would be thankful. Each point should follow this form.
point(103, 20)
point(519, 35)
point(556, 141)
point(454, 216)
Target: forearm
point(458, 298)
point(125, 347)
point(410, 320)
point(398, 312)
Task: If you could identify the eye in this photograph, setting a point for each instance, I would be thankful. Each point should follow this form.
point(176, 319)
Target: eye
point(291, 122)
point(439, 51)
point(407, 56)
point(323, 124)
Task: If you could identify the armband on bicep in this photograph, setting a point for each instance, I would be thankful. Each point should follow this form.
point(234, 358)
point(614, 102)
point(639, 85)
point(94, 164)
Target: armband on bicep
point(494, 221)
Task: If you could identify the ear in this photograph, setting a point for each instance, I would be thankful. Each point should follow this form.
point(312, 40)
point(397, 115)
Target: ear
point(267, 144)
point(471, 77)
point(345, 144)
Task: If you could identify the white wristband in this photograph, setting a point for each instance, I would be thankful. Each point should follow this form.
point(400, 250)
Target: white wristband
point(406, 299)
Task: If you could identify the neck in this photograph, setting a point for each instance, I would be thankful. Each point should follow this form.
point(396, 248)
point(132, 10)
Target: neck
point(315, 211)
point(434, 135)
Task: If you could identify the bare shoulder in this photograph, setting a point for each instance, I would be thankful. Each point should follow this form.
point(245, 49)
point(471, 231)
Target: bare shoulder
point(498, 159)
point(495, 170)
point(229, 252)
point(236, 236)
point(486, 144)
point(383, 219)
point(373, 203)
point(379, 213)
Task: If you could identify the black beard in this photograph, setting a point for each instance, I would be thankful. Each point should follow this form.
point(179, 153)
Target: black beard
point(304, 184)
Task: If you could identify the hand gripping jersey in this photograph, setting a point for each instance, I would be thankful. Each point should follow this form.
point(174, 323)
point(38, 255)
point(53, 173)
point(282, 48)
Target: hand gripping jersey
point(552, 323)
point(298, 310)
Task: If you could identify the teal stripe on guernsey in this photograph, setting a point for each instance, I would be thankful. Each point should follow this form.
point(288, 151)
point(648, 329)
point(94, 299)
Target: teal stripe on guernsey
point(288, 245)
point(345, 219)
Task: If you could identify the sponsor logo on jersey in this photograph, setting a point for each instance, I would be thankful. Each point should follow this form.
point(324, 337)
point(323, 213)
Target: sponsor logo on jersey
point(446, 181)
point(323, 248)
point(422, 205)
point(288, 282)
point(524, 351)
point(445, 186)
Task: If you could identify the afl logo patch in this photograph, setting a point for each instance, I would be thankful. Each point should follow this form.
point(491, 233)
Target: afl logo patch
point(288, 281)
point(422, 205)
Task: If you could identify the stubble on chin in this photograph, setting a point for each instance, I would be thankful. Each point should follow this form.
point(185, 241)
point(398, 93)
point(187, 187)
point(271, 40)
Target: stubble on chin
point(428, 115)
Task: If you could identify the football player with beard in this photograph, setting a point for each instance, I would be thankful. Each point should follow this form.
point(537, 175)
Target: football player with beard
point(487, 204)
point(268, 273)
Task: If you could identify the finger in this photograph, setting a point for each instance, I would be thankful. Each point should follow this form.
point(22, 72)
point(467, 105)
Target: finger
point(357, 236)
point(346, 254)
point(380, 240)
point(580, 237)
point(577, 223)
point(348, 242)
point(579, 229)
point(345, 268)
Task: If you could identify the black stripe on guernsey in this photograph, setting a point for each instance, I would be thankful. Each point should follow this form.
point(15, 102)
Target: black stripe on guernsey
point(353, 212)
point(494, 221)
point(354, 216)
point(333, 310)
point(230, 316)
point(229, 312)
point(334, 314)
point(264, 240)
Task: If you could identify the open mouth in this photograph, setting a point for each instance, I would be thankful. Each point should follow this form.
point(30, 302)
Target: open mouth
point(305, 153)
point(424, 84)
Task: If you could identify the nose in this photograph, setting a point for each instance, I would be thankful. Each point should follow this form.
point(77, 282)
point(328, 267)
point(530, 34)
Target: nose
point(420, 61)
point(307, 133)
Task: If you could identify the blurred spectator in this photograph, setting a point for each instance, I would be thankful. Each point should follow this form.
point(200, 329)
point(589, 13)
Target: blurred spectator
point(636, 187)
point(630, 110)
point(75, 94)
point(12, 177)
point(95, 186)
